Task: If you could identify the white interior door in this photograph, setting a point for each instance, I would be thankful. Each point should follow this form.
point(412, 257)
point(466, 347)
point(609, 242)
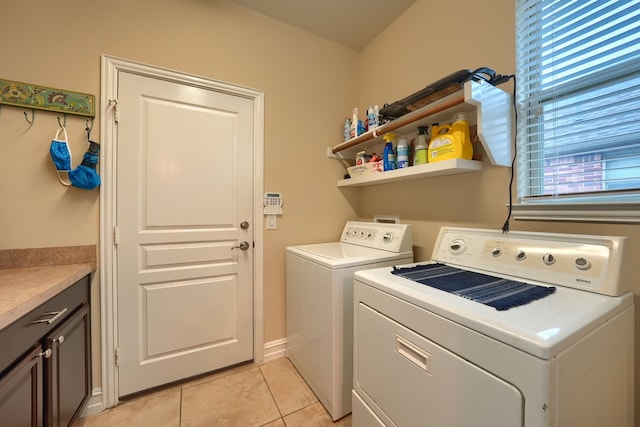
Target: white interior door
point(184, 187)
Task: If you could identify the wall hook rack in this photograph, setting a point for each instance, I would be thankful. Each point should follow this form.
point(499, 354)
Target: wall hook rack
point(35, 97)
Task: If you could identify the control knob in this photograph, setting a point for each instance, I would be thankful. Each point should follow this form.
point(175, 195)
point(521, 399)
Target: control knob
point(582, 263)
point(548, 259)
point(387, 237)
point(457, 246)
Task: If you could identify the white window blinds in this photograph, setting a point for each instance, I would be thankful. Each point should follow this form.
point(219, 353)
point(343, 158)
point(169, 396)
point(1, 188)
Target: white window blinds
point(578, 94)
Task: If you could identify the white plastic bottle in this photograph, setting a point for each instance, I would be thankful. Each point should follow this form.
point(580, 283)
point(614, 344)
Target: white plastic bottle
point(354, 123)
point(372, 118)
point(403, 153)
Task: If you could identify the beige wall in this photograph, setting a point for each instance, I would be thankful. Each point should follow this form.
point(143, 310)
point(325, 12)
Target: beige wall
point(310, 84)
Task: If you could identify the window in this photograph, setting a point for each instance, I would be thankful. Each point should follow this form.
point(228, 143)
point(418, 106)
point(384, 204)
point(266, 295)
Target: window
point(578, 95)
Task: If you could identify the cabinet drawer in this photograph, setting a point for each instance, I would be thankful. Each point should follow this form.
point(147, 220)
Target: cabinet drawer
point(23, 334)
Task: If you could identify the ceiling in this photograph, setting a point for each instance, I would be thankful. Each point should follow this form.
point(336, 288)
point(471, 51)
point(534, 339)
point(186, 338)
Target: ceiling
point(352, 23)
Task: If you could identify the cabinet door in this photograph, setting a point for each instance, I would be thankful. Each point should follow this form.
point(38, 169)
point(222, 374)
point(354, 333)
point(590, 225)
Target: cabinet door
point(21, 392)
point(68, 371)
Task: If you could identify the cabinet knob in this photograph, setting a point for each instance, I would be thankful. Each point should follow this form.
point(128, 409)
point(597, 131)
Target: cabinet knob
point(45, 354)
point(59, 340)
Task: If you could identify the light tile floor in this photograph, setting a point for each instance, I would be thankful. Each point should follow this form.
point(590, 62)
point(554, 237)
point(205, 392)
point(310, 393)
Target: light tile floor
point(272, 394)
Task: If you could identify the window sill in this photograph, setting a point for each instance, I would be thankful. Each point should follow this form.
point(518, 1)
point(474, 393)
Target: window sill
point(594, 212)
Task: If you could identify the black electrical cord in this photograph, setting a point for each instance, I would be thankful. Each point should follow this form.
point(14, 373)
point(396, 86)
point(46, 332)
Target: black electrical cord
point(505, 226)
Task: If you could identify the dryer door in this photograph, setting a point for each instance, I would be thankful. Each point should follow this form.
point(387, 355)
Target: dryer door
point(414, 381)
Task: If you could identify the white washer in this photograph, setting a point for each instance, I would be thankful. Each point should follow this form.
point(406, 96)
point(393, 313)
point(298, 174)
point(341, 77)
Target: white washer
point(565, 359)
point(319, 305)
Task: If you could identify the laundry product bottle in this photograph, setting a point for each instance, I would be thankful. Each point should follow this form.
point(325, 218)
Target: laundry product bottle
point(372, 118)
point(451, 141)
point(389, 156)
point(403, 153)
point(354, 123)
point(420, 154)
point(347, 129)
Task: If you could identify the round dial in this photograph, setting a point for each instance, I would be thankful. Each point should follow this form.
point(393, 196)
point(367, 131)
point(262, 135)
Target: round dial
point(496, 252)
point(457, 246)
point(521, 255)
point(582, 263)
point(548, 259)
point(387, 237)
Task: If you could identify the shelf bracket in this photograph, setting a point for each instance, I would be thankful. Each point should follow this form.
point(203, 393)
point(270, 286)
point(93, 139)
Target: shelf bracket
point(495, 122)
point(338, 156)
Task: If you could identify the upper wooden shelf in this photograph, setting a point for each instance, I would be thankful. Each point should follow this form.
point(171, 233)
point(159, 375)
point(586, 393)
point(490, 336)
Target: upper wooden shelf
point(485, 105)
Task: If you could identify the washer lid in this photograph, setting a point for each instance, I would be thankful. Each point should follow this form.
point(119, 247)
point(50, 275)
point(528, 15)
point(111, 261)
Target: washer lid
point(342, 255)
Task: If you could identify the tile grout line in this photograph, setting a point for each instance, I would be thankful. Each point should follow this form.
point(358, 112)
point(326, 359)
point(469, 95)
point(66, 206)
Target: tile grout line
point(271, 394)
point(180, 412)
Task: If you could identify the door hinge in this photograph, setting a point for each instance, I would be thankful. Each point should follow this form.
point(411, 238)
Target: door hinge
point(117, 356)
point(116, 235)
point(116, 109)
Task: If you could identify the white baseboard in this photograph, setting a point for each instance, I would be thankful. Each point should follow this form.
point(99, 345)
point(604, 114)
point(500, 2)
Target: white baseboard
point(95, 404)
point(275, 349)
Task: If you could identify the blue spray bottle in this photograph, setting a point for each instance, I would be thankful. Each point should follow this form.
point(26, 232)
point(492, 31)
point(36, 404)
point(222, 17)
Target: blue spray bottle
point(389, 156)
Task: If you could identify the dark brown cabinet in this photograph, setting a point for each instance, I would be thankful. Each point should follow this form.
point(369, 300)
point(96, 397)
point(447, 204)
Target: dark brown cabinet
point(21, 391)
point(45, 368)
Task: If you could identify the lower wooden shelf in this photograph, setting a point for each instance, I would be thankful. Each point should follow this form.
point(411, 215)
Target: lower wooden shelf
point(445, 167)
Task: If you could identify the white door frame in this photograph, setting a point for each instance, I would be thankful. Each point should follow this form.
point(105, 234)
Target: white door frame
point(108, 268)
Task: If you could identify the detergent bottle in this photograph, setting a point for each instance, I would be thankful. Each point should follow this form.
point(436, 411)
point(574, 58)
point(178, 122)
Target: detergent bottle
point(403, 153)
point(389, 156)
point(451, 141)
point(421, 151)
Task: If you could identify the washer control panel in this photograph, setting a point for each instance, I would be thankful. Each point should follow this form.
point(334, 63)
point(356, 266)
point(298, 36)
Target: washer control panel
point(390, 237)
point(592, 263)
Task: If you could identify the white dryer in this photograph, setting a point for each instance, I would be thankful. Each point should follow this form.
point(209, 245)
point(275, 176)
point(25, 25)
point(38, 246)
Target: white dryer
point(498, 329)
point(319, 303)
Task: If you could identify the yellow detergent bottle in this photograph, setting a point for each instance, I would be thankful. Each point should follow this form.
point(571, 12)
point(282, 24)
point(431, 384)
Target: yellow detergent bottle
point(451, 141)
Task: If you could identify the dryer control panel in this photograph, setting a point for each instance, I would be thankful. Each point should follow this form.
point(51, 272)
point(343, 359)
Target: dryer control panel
point(389, 237)
point(591, 263)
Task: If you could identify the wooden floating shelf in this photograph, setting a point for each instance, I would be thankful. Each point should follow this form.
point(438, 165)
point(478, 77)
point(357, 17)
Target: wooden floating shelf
point(444, 167)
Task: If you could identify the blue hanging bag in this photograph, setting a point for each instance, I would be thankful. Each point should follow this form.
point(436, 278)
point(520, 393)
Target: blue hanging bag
point(85, 175)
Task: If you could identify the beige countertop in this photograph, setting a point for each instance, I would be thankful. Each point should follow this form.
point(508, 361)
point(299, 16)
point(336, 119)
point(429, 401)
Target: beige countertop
point(23, 289)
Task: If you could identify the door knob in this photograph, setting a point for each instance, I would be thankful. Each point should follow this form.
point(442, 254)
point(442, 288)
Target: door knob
point(243, 245)
point(244, 225)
